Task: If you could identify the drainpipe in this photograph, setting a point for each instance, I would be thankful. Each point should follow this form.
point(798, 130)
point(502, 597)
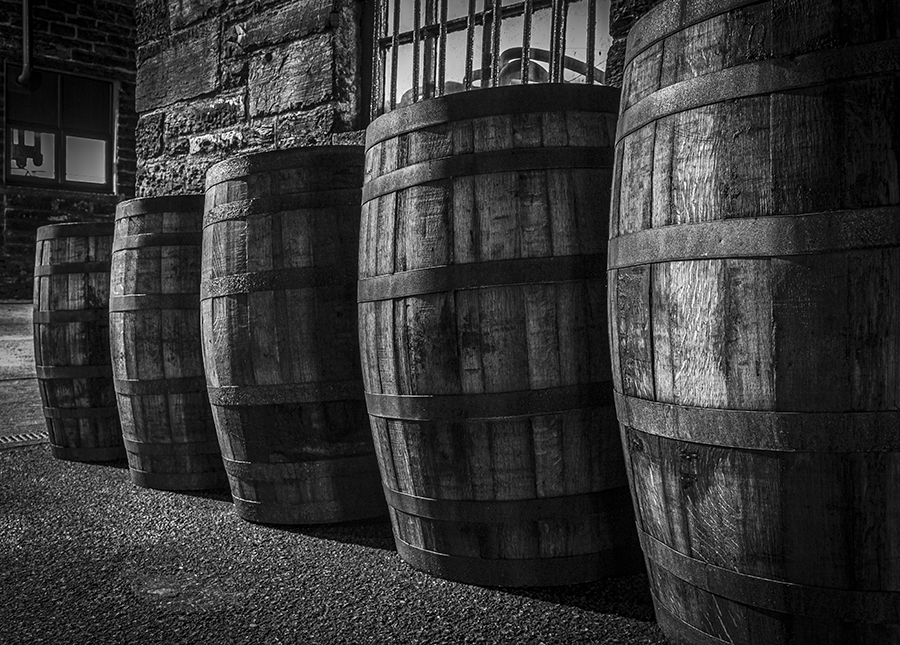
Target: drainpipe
point(25, 76)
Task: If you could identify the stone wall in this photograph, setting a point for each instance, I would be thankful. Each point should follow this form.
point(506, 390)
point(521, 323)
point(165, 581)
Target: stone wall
point(88, 37)
point(217, 78)
point(622, 15)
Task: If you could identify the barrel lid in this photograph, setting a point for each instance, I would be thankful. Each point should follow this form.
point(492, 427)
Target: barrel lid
point(273, 160)
point(511, 99)
point(74, 229)
point(159, 204)
point(671, 16)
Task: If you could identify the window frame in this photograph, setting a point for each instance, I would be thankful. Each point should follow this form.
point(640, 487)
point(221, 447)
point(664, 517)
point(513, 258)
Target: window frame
point(59, 181)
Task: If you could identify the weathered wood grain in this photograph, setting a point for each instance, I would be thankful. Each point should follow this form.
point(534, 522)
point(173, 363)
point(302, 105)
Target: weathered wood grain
point(71, 341)
point(280, 339)
point(513, 497)
point(761, 543)
point(155, 343)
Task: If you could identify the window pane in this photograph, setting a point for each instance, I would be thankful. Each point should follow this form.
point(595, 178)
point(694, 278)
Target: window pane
point(86, 104)
point(35, 104)
point(85, 160)
point(32, 154)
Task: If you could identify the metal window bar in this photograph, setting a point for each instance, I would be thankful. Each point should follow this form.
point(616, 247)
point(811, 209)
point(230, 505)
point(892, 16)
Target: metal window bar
point(429, 67)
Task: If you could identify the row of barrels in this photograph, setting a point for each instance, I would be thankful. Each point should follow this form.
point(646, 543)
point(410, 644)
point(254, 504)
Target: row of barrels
point(749, 282)
point(253, 328)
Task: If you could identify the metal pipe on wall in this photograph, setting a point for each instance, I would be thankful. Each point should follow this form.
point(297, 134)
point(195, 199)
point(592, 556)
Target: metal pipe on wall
point(25, 76)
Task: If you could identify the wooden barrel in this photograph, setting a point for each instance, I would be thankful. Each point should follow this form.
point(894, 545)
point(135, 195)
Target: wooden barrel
point(278, 316)
point(755, 315)
point(71, 341)
point(483, 335)
point(154, 320)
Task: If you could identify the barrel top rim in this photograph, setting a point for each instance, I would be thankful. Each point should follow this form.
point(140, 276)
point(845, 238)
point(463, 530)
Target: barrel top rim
point(666, 19)
point(159, 204)
point(538, 97)
point(252, 163)
point(74, 229)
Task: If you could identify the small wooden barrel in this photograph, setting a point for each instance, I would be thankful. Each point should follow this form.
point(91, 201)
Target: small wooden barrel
point(755, 316)
point(483, 335)
point(71, 341)
point(280, 240)
point(154, 320)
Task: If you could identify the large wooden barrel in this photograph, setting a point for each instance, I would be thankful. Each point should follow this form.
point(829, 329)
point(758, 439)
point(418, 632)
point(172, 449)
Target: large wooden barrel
point(755, 297)
point(154, 320)
point(71, 341)
point(278, 314)
point(483, 335)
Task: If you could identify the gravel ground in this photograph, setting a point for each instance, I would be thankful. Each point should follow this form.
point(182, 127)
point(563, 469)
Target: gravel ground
point(86, 557)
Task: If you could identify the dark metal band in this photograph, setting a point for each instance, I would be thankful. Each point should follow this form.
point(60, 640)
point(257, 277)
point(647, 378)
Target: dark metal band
point(523, 99)
point(302, 470)
point(71, 267)
point(154, 301)
point(80, 413)
point(144, 240)
point(188, 204)
point(182, 385)
point(511, 511)
point(261, 206)
point(104, 453)
point(761, 430)
point(760, 237)
point(763, 77)
point(74, 229)
point(879, 607)
point(674, 626)
point(178, 481)
point(286, 393)
point(513, 572)
point(158, 448)
point(489, 405)
point(46, 372)
point(70, 315)
point(277, 280)
point(483, 163)
point(668, 18)
point(480, 275)
point(347, 159)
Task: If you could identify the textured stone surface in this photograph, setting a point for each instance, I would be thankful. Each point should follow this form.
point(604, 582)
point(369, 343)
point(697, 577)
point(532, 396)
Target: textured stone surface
point(188, 67)
point(240, 76)
point(296, 76)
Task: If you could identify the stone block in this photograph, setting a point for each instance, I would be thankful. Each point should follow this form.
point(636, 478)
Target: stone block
point(292, 77)
point(306, 128)
point(186, 12)
point(206, 114)
point(151, 20)
point(186, 68)
point(149, 135)
point(291, 21)
point(173, 175)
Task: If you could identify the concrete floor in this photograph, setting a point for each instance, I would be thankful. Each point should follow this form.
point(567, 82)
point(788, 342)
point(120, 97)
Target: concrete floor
point(87, 557)
point(20, 407)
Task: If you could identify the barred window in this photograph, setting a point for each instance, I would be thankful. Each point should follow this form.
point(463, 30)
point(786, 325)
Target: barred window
point(426, 48)
point(59, 131)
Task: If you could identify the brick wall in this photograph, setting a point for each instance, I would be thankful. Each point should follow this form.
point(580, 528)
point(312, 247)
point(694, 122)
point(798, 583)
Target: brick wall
point(217, 78)
point(89, 37)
